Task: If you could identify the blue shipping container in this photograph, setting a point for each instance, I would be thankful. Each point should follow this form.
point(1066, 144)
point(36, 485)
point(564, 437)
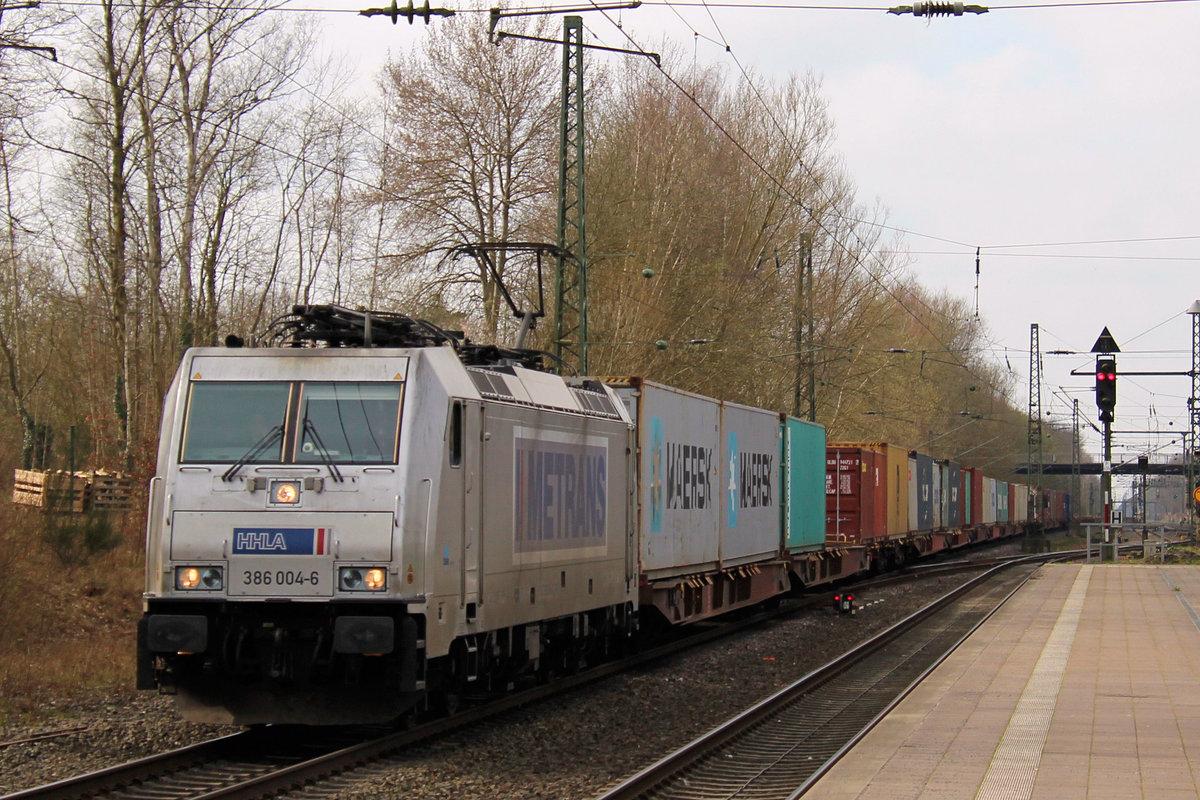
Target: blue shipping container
point(923, 477)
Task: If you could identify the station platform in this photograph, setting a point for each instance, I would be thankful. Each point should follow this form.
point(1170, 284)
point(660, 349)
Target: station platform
point(1085, 684)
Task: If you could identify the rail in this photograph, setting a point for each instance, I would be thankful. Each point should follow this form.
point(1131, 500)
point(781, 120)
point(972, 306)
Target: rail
point(793, 737)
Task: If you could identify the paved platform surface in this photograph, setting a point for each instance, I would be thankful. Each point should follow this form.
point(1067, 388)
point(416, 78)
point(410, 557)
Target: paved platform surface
point(1086, 684)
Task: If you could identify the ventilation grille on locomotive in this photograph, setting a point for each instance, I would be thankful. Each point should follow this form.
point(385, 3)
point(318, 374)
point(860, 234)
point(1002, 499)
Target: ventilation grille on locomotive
point(595, 402)
point(490, 384)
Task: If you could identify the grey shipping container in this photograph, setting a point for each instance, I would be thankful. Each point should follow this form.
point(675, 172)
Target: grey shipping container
point(751, 484)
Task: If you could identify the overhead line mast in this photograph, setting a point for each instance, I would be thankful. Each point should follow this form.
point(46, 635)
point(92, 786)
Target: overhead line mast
point(570, 285)
point(1190, 444)
point(1035, 423)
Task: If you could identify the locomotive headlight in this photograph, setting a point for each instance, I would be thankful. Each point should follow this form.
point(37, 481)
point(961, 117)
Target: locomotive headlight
point(362, 579)
point(376, 578)
point(285, 493)
point(204, 578)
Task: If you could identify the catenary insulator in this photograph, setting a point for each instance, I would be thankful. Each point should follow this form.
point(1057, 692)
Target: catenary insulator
point(922, 9)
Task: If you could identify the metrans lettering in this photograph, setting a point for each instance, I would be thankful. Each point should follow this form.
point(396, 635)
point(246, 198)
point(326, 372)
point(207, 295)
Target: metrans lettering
point(561, 499)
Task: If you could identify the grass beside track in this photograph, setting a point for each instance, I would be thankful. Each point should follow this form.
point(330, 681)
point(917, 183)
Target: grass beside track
point(70, 597)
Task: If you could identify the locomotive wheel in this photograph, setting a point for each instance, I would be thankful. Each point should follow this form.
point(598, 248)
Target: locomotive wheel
point(452, 686)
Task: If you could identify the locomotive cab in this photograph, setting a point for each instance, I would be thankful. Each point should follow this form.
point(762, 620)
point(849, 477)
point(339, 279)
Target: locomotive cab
point(274, 519)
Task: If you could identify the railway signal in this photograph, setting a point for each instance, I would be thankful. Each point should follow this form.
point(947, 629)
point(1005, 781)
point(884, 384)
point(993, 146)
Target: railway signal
point(1106, 387)
point(844, 603)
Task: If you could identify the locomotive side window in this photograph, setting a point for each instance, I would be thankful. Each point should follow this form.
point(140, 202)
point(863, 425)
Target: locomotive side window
point(226, 420)
point(348, 422)
point(455, 434)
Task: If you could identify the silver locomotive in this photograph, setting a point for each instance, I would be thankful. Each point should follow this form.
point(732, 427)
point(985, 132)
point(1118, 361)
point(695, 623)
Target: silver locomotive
point(346, 533)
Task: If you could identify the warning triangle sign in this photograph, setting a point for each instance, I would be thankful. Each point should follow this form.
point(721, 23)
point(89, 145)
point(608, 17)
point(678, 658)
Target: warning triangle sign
point(1106, 343)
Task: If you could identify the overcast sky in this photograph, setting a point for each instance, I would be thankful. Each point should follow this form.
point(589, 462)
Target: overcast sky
point(1062, 141)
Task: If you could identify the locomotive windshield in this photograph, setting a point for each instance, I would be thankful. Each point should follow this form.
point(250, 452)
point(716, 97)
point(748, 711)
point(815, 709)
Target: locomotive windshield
point(225, 419)
point(350, 422)
point(249, 422)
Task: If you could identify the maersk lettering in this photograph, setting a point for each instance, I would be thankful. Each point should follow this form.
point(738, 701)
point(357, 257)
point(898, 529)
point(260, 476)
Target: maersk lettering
point(689, 476)
point(754, 478)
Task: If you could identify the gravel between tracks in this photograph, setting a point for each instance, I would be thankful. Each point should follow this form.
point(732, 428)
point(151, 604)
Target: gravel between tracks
point(570, 747)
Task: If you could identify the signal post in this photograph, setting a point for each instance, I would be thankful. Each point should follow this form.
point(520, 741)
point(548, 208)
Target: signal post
point(1106, 401)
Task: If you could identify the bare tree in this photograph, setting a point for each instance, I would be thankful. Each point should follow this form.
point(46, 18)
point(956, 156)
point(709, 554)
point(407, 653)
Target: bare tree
point(229, 61)
point(709, 188)
point(23, 353)
point(24, 361)
point(473, 153)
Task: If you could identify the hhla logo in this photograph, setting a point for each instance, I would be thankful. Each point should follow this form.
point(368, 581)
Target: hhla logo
point(260, 540)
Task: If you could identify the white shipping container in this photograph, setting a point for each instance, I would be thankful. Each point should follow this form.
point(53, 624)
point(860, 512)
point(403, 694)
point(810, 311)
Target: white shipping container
point(939, 498)
point(679, 447)
point(989, 500)
point(751, 491)
point(710, 481)
point(1021, 512)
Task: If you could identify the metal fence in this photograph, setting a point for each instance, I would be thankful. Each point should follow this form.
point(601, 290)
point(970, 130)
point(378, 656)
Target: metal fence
point(1153, 537)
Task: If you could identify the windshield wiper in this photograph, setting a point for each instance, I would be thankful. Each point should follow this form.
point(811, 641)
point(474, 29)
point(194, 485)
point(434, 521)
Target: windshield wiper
point(254, 452)
point(322, 451)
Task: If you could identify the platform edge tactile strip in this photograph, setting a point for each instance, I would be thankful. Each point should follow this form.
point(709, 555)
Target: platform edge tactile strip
point(1014, 766)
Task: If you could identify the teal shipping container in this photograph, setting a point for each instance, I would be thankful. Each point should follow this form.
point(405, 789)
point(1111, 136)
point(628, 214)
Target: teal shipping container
point(804, 485)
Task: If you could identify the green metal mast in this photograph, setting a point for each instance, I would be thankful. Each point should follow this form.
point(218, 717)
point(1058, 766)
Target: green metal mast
point(570, 286)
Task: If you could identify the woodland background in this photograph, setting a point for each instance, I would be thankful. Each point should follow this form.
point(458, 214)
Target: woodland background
point(185, 171)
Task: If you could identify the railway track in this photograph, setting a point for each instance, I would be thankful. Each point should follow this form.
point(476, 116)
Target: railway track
point(219, 767)
point(268, 761)
point(778, 748)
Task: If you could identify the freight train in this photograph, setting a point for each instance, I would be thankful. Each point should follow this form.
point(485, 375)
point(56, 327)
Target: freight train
point(372, 516)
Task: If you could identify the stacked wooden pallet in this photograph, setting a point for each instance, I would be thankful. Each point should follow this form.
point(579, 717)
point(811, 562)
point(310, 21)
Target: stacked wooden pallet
point(111, 491)
point(59, 490)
